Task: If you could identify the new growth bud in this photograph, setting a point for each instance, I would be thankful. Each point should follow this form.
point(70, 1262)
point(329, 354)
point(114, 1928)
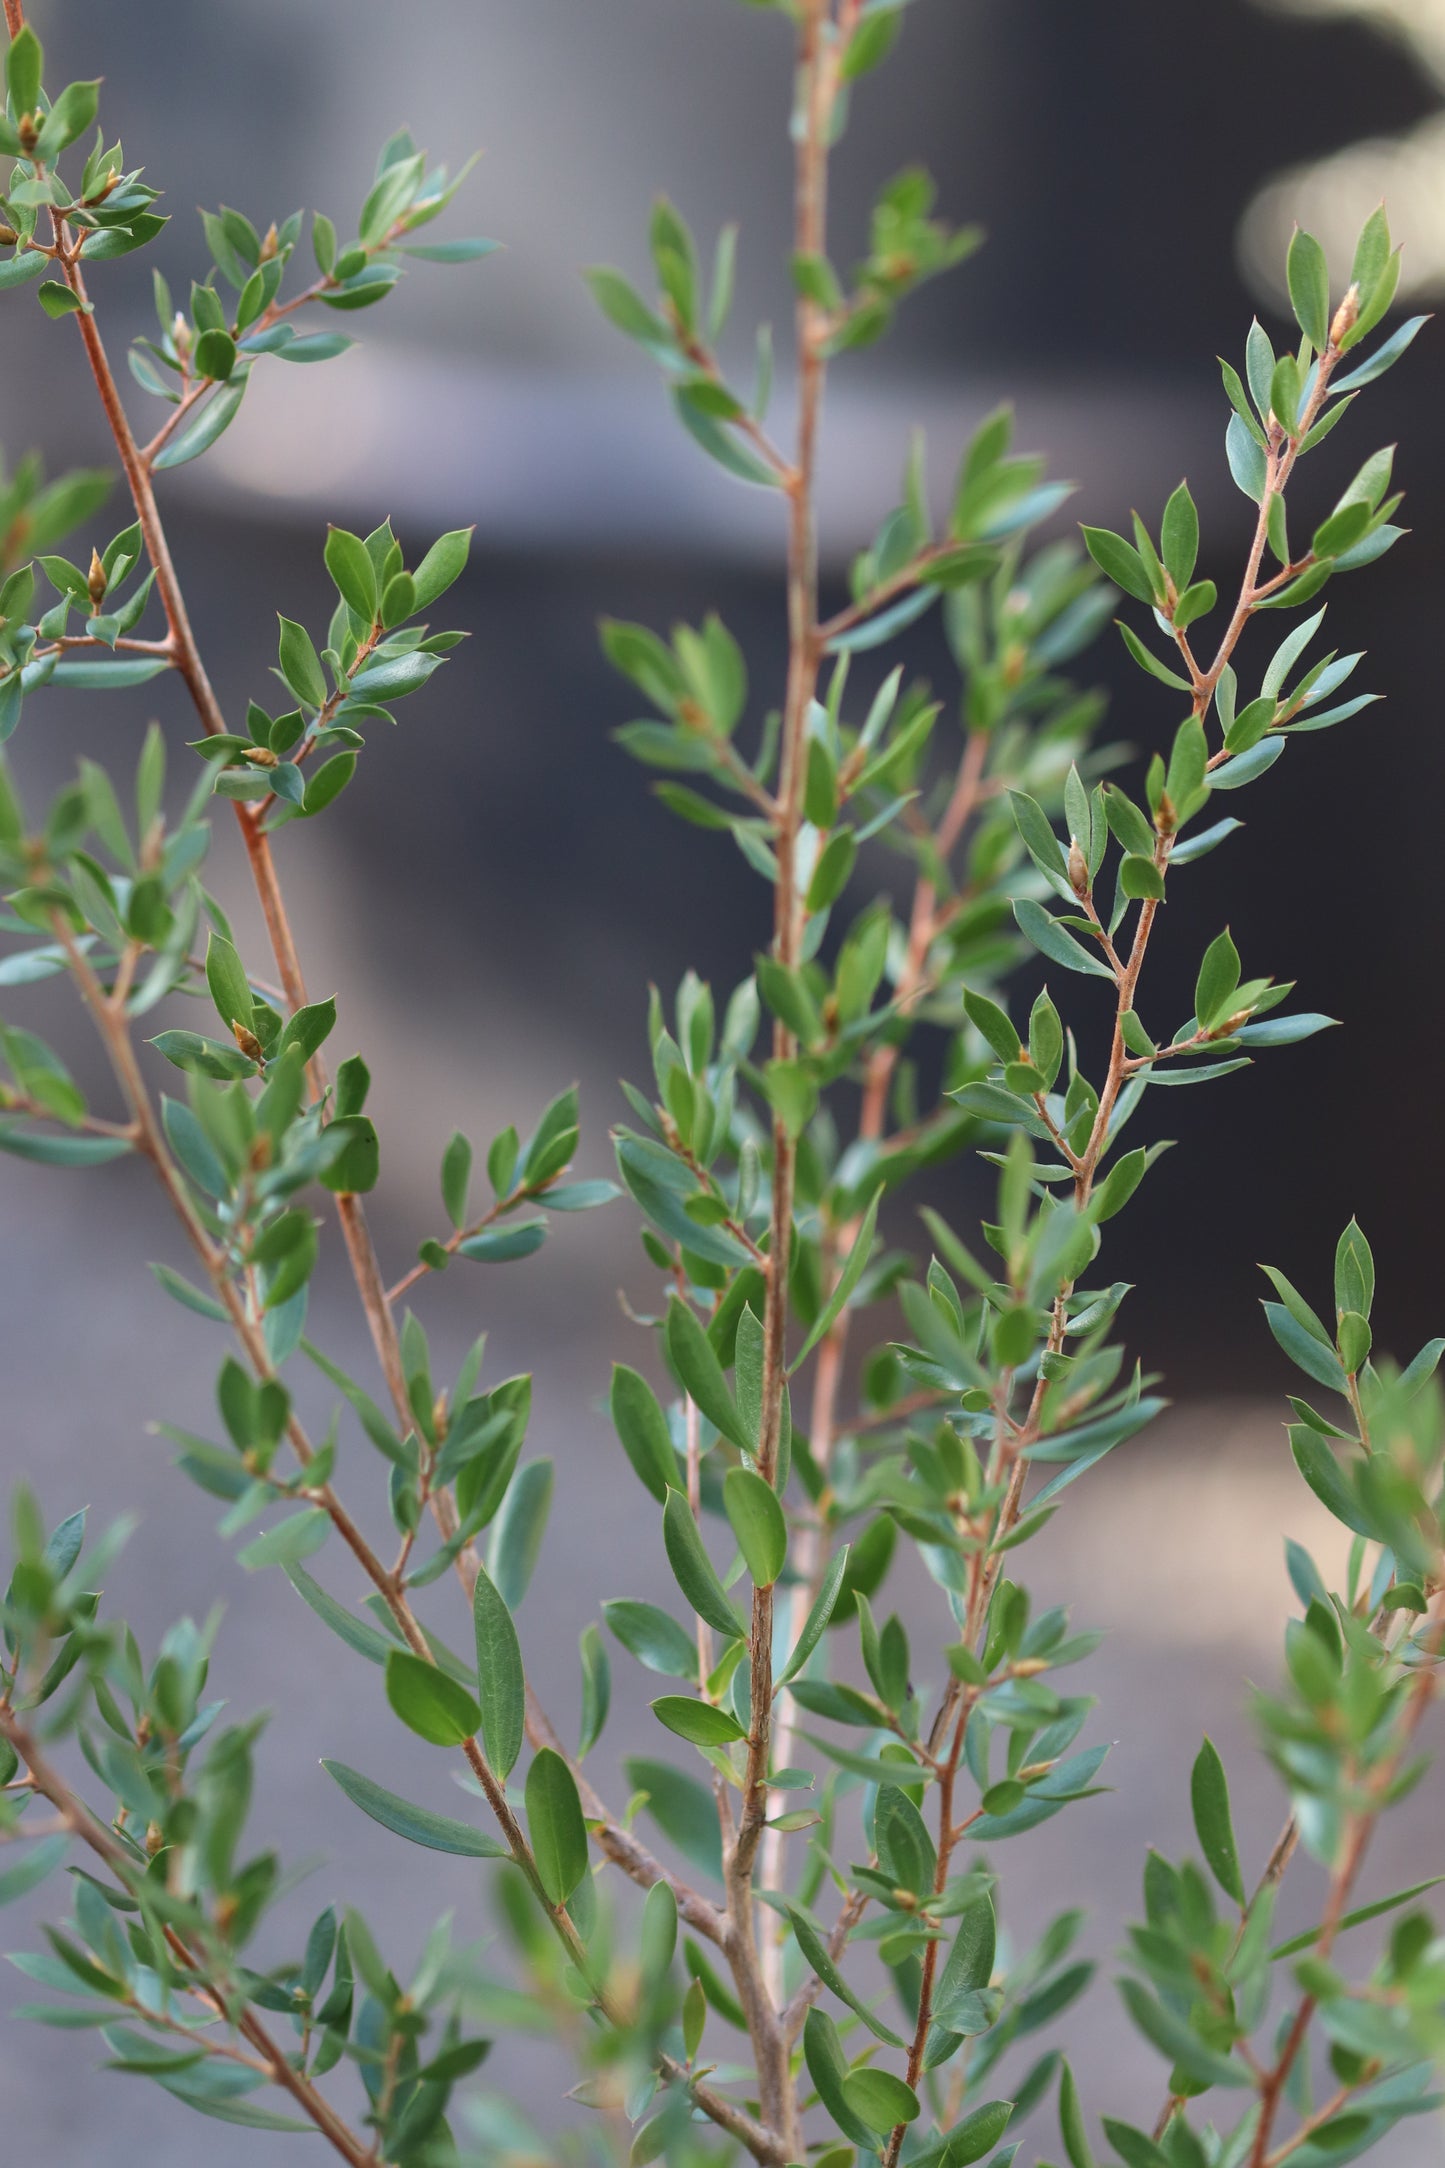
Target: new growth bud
point(247, 1041)
point(1078, 868)
point(8, 235)
point(95, 580)
point(1346, 316)
point(271, 243)
point(28, 132)
point(260, 756)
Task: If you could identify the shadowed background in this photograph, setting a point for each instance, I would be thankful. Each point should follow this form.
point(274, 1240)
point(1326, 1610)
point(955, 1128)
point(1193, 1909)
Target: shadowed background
point(497, 887)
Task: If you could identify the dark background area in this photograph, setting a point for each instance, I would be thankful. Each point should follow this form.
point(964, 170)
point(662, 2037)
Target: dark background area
point(1110, 152)
point(496, 889)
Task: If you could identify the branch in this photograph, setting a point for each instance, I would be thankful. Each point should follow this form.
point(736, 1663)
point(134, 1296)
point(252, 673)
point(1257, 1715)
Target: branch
point(188, 661)
point(76, 1816)
point(810, 1559)
point(1359, 1831)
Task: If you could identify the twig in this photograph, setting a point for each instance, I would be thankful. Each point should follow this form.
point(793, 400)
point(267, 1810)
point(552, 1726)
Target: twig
point(77, 1818)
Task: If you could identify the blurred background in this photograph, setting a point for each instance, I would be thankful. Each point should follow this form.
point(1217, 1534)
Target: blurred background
point(498, 887)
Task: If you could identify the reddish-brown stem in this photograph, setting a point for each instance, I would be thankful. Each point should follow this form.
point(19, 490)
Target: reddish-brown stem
point(1360, 1830)
point(878, 597)
point(808, 1554)
point(818, 80)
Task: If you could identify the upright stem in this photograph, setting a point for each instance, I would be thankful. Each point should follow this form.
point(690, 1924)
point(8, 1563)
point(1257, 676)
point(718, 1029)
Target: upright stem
point(1008, 1465)
point(809, 1553)
point(821, 41)
point(1358, 1833)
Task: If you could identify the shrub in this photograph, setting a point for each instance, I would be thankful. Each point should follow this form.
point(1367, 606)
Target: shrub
point(814, 1969)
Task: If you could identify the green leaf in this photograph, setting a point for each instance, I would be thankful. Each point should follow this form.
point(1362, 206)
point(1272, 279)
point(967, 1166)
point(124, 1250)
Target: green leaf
point(29, 1870)
point(294, 1539)
point(828, 2069)
point(1246, 457)
point(443, 564)
point(1195, 602)
point(1383, 358)
point(757, 1522)
point(1071, 2123)
point(1055, 941)
point(652, 1637)
point(215, 355)
point(1149, 662)
point(516, 1539)
point(228, 983)
point(1356, 1919)
point(69, 118)
point(18, 270)
point(432, 1705)
point(107, 677)
point(642, 1427)
point(50, 1151)
point(848, 1280)
point(1178, 2040)
point(1141, 880)
point(1309, 290)
point(976, 2134)
point(215, 416)
point(1119, 561)
point(1304, 1350)
point(1133, 2147)
point(1354, 1272)
point(625, 309)
point(684, 1810)
point(504, 1245)
point(815, 1954)
point(456, 1178)
point(355, 1632)
point(879, 2099)
point(993, 1024)
point(596, 1689)
point(691, 1354)
point(24, 66)
point(697, 1721)
point(555, 1824)
point(206, 1057)
point(728, 450)
point(349, 563)
point(694, 1571)
point(500, 1680)
point(1218, 980)
point(1209, 1797)
point(1179, 537)
point(301, 665)
point(816, 1622)
point(357, 1163)
point(830, 875)
point(1317, 1464)
point(437, 1832)
point(58, 300)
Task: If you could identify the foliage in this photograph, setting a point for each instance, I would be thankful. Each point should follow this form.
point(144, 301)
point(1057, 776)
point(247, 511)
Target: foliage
point(817, 1966)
